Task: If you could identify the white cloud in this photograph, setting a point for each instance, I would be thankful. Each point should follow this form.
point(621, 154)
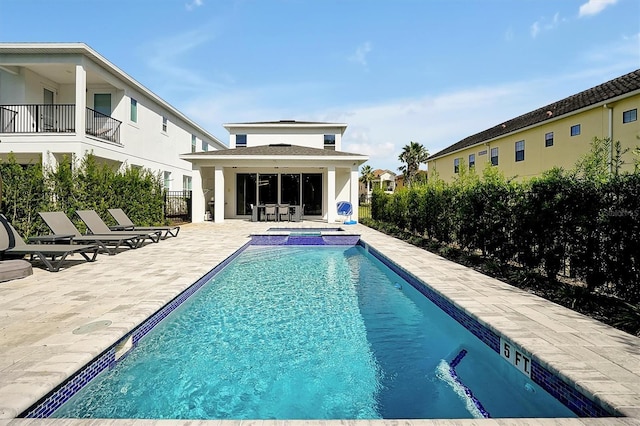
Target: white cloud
point(194, 4)
point(545, 24)
point(360, 55)
point(593, 7)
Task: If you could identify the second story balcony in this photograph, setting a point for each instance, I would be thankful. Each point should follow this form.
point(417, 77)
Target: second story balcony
point(57, 118)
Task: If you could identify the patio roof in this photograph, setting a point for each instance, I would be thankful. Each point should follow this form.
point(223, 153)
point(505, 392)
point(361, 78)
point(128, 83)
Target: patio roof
point(281, 151)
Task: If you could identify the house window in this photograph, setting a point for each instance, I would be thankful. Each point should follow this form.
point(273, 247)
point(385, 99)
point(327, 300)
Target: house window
point(330, 142)
point(134, 110)
point(519, 151)
point(483, 152)
point(205, 146)
point(164, 124)
point(494, 156)
point(186, 183)
point(472, 161)
point(193, 143)
point(456, 165)
point(241, 140)
point(575, 130)
point(167, 180)
point(548, 139)
point(629, 116)
point(102, 103)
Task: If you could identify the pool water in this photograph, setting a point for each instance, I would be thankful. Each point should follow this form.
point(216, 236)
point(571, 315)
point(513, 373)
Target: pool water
point(310, 333)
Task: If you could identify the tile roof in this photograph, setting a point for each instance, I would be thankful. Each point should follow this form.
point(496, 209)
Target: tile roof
point(276, 150)
point(611, 89)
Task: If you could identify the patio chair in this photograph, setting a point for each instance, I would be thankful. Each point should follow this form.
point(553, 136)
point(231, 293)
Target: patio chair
point(125, 224)
point(97, 226)
point(52, 255)
point(283, 210)
point(270, 210)
point(60, 224)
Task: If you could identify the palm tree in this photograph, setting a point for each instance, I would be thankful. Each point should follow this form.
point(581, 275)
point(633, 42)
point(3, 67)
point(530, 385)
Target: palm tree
point(412, 156)
point(366, 177)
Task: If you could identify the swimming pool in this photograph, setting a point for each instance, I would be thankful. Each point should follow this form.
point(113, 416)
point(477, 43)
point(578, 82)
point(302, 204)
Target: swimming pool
point(404, 358)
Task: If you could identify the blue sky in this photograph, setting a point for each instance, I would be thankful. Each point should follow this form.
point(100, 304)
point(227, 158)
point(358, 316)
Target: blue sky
point(430, 71)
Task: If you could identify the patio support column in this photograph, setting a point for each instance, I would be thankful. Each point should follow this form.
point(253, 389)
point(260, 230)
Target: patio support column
point(81, 101)
point(218, 179)
point(355, 200)
point(197, 195)
point(332, 210)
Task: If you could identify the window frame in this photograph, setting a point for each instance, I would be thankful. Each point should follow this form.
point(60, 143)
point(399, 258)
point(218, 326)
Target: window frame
point(548, 139)
point(496, 156)
point(576, 129)
point(193, 143)
point(630, 116)
point(456, 165)
point(519, 152)
point(133, 112)
point(243, 137)
point(472, 161)
point(165, 124)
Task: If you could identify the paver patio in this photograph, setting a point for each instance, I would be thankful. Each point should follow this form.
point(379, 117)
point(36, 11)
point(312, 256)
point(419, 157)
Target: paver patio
point(39, 314)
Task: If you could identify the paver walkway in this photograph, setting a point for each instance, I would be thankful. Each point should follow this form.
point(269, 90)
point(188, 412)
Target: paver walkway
point(39, 314)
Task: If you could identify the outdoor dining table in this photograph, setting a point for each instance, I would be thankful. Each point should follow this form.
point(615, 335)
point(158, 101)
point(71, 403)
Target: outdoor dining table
point(258, 213)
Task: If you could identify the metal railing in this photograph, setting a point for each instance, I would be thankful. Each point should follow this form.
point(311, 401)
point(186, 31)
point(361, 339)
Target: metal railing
point(56, 118)
point(102, 126)
point(177, 205)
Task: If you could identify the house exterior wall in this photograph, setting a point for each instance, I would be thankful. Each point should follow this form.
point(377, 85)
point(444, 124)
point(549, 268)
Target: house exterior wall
point(143, 143)
point(311, 137)
point(566, 149)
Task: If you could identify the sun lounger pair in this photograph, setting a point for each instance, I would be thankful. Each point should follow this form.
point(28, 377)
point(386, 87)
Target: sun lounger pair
point(124, 223)
point(52, 255)
point(109, 241)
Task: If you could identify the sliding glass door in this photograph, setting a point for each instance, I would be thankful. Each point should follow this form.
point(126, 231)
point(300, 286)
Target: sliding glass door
point(292, 188)
point(312, 193)
point(245, 192)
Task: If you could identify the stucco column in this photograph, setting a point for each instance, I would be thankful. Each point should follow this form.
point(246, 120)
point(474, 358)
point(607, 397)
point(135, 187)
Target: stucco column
point(332, 210)
point(81, 101)
point(197, 196)
point(355, 199)
point(218, 178)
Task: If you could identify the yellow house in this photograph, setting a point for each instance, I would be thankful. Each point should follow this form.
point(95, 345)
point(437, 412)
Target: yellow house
point(554, 135)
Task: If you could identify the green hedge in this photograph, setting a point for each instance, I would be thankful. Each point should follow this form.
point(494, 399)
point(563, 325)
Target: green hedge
point(560, 223)
point(71, 186)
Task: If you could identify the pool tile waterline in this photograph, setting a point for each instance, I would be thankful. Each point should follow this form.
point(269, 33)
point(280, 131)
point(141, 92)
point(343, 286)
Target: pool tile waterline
point(565, 393)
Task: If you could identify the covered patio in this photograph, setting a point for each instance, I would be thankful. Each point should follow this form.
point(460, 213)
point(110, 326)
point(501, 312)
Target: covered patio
point(230, 182)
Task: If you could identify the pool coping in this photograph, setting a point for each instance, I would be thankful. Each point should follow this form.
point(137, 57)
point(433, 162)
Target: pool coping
point(596, 366)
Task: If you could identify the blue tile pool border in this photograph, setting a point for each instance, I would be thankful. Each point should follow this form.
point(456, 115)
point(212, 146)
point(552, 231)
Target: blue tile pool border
point(580, 404)
point(568, 395)
point(56, 398)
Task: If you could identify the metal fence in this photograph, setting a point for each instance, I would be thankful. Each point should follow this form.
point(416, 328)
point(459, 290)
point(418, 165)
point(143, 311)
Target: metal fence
point(364, 211)
point(177, 205)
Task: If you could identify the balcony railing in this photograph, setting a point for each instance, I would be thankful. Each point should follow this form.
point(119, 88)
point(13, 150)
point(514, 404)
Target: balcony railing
point(56, 118)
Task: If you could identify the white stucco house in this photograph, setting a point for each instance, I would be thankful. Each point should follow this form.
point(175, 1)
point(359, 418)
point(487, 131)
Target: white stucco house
point(65, 99)
point(287, 161)
point(61, 99)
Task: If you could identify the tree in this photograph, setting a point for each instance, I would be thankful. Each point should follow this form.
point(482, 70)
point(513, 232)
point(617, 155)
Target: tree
point(412, 156)
point(366, 177)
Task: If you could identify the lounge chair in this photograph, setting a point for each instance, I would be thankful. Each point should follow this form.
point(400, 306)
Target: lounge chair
point(60, 224)
point(97, 226)
point(125, 224)
point(52, 255)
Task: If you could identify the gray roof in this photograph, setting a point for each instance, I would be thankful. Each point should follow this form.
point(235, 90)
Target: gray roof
point(283, 150)
point(611, 89)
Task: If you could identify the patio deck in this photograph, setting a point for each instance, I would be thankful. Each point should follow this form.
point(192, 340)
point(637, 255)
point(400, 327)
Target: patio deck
point(38, 316)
